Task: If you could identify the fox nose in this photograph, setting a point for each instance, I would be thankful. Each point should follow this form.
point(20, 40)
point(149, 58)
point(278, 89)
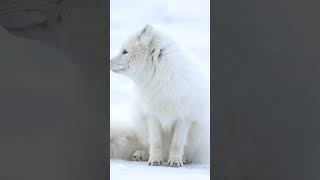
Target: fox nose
point(111, 62)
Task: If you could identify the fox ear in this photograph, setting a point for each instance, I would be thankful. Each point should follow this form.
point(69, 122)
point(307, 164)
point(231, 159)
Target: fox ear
point(156, 54)
point(148, 30)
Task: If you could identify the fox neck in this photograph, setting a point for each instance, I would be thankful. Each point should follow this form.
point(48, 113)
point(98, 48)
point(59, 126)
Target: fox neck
point(159, 80)
point(150, 77)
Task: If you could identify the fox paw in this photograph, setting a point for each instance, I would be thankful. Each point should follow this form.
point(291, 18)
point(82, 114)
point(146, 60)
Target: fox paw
point(155, 161)
point(139, 155)
point(186, 160)
point(175, 162)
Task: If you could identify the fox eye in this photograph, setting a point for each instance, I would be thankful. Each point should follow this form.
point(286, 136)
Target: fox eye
point(124, 52)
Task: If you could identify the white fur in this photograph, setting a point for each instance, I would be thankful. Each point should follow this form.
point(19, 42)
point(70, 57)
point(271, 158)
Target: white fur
point(172, 107)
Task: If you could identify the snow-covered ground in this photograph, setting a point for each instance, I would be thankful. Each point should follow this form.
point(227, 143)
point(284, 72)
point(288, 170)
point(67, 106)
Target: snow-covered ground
point(188, 23)
point(123, 170)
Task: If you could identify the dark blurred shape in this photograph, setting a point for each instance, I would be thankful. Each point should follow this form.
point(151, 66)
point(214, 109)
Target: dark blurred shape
point(76, 27)
point(20, 15)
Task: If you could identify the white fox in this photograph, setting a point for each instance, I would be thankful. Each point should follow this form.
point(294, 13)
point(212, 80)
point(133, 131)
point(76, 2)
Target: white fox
point(172, 117)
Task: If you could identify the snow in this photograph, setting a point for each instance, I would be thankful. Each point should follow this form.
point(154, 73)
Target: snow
point(122, 170)
point(188, 23)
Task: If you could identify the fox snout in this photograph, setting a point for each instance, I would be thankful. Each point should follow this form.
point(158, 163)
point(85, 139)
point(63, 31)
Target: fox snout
point(116, 67)
point(112, 65)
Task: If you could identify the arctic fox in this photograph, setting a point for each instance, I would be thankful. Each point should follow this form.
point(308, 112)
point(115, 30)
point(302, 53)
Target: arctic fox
point(172, 107)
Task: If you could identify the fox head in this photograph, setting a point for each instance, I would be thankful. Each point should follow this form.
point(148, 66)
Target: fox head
point(139, 54)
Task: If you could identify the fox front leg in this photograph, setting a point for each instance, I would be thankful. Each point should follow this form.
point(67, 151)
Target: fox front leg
point(155, 143)
point(179, 140)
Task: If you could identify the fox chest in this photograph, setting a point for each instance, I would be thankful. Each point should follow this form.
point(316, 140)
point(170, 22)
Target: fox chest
point(165, 111)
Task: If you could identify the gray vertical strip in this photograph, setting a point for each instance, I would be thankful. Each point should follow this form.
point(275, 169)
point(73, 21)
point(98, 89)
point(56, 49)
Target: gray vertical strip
point(54, 90)
point(267, 100)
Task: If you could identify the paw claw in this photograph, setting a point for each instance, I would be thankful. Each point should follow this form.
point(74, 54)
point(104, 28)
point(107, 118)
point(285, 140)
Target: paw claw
point(186, 161)
point(175, 162)
point(155, 162)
